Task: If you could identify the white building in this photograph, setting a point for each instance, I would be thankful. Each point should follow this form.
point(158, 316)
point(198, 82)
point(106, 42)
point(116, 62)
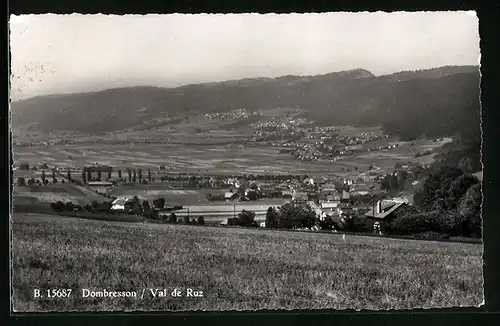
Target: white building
point(119, 204)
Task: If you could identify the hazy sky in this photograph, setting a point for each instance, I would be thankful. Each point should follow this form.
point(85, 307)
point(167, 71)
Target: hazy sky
point(73, 53)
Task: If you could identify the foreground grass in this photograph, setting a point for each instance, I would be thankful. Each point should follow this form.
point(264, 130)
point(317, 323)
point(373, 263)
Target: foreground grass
point(237, 269)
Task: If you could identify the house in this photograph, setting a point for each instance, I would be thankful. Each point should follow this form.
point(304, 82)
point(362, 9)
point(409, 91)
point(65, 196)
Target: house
point(300, 196)
point(349, 182)
point(384, 211)
point(346, 196)
point(119, 204)
point(230, 195)
point(309, 181)
point(229, 221)
point(330, 205)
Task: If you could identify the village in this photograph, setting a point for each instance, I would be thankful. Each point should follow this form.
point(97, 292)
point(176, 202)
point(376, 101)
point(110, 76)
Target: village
point(333, 200)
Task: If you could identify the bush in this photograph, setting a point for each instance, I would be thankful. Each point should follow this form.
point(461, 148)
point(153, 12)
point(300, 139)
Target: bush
point(69, 206)
point(151, 214)
point(57, 206)
point(358, 224)
point(201, 220)
point(21, 181)
point(159, 203)
point(435, 221)
point(172, 218)
point(88, 208)
point(246, 218)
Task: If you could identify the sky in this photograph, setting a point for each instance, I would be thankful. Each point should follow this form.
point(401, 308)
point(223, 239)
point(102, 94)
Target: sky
point(55, 54)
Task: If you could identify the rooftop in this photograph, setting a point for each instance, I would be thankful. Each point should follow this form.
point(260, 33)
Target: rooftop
point(100, 183)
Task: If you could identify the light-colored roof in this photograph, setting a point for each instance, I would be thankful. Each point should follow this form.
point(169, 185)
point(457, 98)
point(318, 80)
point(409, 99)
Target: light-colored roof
point(383, 215)
point(329, 205)
point(229, 194)
point(99, 183)
point(120, 201)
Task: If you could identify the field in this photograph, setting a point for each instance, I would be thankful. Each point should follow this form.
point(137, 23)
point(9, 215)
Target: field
point(53, 193)
point(237, 269)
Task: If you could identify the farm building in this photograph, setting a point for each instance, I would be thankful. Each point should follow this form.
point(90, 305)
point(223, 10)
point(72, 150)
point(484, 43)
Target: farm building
point(330, 205)
point(230, 195)
point(229, 221)
point(384, 211)
point(102, 187)
point(119, 204)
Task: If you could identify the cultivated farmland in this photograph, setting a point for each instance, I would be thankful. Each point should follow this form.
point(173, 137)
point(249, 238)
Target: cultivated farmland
point(237, 269)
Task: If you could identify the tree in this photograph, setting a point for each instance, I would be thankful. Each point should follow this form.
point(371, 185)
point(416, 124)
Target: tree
point(119, 174)
point(69, 206)
point(470, 211)
point(458, 188)
point(465, 165)
point(201, 220)
point(84, 176)
point(296, 216)
point(159, 203)
point(145, 206)
point(69, 174)
point(129, 172)
point(95, 205)
point(401, 179)
point(134, 176)
point(385, 183)
point(252, 195)
point(149, 175)
point(43, 176)
point(139, 175)
point(172, 218)
point(136, 208)
point(271, 218)
point(246, 218)
point(57, 206)
point(21, 181)
point(436, 188)
point(393, 182)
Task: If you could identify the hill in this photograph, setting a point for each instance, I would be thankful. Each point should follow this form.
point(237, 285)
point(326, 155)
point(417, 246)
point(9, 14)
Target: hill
point(432, 102)
point(237, 269)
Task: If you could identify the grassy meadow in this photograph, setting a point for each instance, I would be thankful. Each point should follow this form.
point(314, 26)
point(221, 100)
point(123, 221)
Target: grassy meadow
point(237, 269)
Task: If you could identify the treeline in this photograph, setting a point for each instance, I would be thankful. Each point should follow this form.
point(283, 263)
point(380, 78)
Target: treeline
point(449, 202)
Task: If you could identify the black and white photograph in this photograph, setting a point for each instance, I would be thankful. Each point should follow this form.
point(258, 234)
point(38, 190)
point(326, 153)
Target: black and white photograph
point(245, 162)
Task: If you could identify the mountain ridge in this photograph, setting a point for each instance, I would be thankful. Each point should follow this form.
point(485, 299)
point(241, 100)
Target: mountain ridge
point(351, 96)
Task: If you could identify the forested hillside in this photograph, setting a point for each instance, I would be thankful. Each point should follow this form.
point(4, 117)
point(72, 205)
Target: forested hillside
point(436, 102)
